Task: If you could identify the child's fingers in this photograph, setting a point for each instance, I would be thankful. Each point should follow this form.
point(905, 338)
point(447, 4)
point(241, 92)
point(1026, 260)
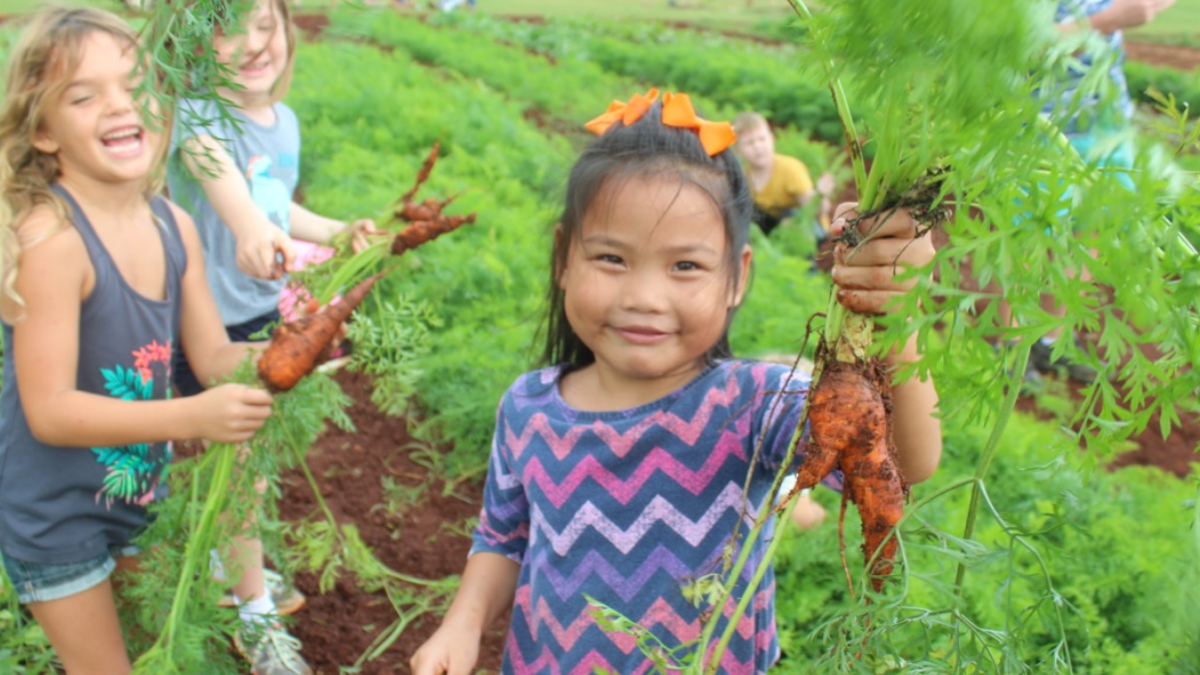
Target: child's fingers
point(258, 261)
point(841, 214)
point(256, 397)
point(367, 226)
point(889, 251)
point(420, 665)
point(287, 251)
point(359, 242)
point(871, 278)
point(897, 223)
point(869, 302)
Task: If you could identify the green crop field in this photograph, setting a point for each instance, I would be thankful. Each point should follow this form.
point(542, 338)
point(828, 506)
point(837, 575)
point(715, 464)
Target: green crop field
point(1067, 566)
point(1181, 22)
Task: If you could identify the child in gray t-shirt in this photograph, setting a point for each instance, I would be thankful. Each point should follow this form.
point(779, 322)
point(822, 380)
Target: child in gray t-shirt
point(236, 174)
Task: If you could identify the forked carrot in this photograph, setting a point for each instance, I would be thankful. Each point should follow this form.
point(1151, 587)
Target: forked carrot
point(422, 231)
point(850, 423)
point(423, 174)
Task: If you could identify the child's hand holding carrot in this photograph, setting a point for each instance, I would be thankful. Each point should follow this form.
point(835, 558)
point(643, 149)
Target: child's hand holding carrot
point(871, 276)
point(868, 279)
point(229, 413)
point(361, 231)
point(260, 249)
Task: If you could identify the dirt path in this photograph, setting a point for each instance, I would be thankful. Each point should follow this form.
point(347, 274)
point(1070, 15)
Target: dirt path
point(1171, 56)
point(419, 533)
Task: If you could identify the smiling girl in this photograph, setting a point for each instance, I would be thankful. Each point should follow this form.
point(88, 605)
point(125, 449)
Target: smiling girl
point(236, 171)
point(624, 467)
point(91, 317)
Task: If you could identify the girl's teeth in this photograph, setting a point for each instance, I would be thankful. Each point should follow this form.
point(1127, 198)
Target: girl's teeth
point(122, 138)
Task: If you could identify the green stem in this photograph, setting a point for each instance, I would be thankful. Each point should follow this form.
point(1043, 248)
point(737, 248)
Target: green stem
point(200, 541)
point(989, 454)
point(324, 506)
point(710, 666)
point(838, 92)
point(765, 515)
point(749, 593)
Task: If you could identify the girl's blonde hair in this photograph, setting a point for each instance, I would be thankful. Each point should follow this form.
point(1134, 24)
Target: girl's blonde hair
point(280, 89)
point(39, 68)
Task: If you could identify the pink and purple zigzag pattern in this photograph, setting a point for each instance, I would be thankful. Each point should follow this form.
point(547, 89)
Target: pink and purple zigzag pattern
point(659, 510)
point(658, 462)
point(687, 430)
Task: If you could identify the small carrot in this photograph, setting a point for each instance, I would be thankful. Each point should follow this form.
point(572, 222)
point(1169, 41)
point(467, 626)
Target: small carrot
point(423, 174)
point(413, 212)
point(422, 231)
point(298, 347)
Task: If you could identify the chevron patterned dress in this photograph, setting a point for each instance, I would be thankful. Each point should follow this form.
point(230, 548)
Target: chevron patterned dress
point(631, 508)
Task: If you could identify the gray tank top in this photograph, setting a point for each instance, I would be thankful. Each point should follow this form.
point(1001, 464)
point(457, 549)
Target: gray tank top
point(60, 505)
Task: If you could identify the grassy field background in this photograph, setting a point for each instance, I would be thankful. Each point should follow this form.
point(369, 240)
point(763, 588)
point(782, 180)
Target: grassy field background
point(1179, 24)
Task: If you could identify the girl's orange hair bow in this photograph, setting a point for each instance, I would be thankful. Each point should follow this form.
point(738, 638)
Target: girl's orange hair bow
point(677, 112)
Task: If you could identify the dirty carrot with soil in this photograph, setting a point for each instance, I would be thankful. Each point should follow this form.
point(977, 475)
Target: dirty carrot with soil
point(298, 347)
point(422, 231)
point(850, 423)
point(426, 218)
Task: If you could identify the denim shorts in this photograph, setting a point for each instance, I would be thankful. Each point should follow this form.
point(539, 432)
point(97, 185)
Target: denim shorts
point(42, 582)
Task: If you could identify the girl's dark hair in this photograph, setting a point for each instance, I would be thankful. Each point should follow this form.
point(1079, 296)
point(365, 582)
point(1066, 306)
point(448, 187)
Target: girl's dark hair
point(645, 149)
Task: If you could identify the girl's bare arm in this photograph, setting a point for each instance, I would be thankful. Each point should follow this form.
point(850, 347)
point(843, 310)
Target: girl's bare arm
point(203, 338)
point(318, 229)
point(52, 278)
point(258, 239)
point(869, 282)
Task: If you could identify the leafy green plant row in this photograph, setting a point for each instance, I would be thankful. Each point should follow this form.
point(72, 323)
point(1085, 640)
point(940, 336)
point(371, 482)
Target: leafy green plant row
point(1184, 85)
point(735, 74)
point(369, 118)
point(569, 91)
point(575, 92)
point(1094, 531)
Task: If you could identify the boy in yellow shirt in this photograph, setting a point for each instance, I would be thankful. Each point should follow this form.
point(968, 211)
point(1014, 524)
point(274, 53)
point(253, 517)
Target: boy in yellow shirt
point(779, 184)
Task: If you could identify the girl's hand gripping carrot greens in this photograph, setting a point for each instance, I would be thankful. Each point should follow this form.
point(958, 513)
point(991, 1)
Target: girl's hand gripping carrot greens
point(229, 413)
point(871, 275)
point(361, 231)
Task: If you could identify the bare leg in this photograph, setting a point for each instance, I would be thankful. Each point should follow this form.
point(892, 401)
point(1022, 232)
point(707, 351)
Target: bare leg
point(246, 559)
point(85, 632)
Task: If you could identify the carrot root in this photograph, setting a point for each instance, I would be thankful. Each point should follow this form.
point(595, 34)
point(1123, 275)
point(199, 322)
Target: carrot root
point(850, 423)
point(297, 348)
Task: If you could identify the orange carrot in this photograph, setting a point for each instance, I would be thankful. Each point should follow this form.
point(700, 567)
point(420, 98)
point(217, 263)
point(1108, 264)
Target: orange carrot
point(298, 347)
point(849, 418)
point(423, 174)
point(414, 211)
point(422, 231)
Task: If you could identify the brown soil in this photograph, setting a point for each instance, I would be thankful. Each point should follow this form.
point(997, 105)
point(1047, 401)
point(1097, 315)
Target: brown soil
point(312, 24)
point(423, 539)
point(1171, 56)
